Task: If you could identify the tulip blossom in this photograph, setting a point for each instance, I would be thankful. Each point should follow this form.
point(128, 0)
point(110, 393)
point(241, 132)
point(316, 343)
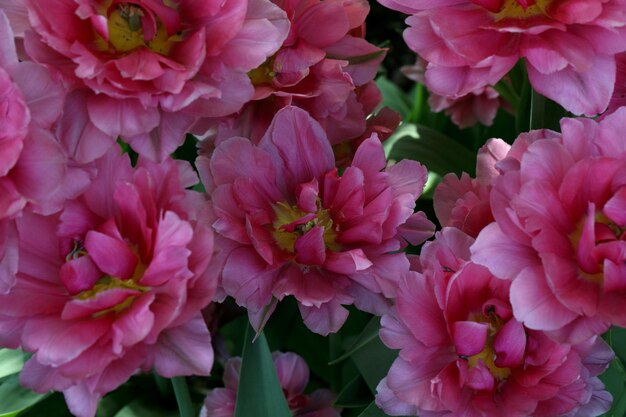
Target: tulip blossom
point(320, 70)
point(568, 46)
point(293, 376)
point(464, 202)
point(477, 106)
point(147, 70)
point(463, 353)
point(291, 225)
point(113, 284)
point(559, 230)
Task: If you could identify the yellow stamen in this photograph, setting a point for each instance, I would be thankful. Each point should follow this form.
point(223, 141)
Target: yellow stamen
point(513, 10)
point(286, 215)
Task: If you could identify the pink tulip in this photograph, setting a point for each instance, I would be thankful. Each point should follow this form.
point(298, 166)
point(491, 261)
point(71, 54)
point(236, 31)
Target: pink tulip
point(113, 284)
point(291, 225)
point(568, 46)
point(464, 202)
point(463, 353)
point(559, 230)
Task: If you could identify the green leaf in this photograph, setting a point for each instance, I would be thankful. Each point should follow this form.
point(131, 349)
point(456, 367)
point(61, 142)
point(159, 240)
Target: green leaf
point(393, 97)
point(259, 393)
point(618, 342)
point(373, 362)
point(51, 406)
point(11, 362)
point(369, 333)
point(373, 411)
point(181, 390)
point(436, 151)
point(145, 408)
point(15, 398)
point(355, 394)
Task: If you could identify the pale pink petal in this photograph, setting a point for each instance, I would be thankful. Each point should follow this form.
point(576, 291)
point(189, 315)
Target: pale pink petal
point(585, 92)
point(184, 350)
point(126, 118)
point(328, 318)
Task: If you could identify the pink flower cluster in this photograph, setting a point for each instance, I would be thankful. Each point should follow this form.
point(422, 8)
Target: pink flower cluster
point(517, 313)
point(293, 376)
point(148, 70)
point(569, 46)
point(106, 265)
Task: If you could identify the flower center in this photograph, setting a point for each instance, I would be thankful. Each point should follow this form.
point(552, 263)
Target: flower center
point(590, 242)
point(291, 223)
point(90, 282)
point(263, 74)
point(515, 9)
point(131, 26)
point(488, 354)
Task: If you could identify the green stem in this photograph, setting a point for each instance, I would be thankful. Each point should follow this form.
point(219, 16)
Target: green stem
point(416, 111)
point(182, 397)
point(537, 110)
point(506, 92)
point(522, 113)
point(334, 345)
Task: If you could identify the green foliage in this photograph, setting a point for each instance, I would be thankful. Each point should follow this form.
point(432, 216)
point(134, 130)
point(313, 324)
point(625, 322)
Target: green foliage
point(259, 393)
point(15, 398)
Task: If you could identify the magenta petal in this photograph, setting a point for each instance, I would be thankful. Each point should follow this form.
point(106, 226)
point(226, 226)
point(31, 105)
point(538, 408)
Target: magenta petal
point(247, 278)
point(328, 318)
point(310, 248)
point(370, 156)
point(43, 94)
point(170, 259)
point(104, 300)
point(111, 255)
point(585, 92)
point(81, 401)
point(81, 139)
point(415, 300)
point(121, 117)
point(512, 257)
point(9, 255)
point(41, 166)
point(184, 350)
point(133, 324)
point(469, 337)
point(292, 371)
point(308, 195)
point(58, 342)
point(347, 262)
point(615, 208)
point(8, 55)
point(390, 404)
point(510, 345)
point(158, 143)
point(477, 377)
point(535, 305)
point(79, 274)
point(417, 229)
point(299, 146)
